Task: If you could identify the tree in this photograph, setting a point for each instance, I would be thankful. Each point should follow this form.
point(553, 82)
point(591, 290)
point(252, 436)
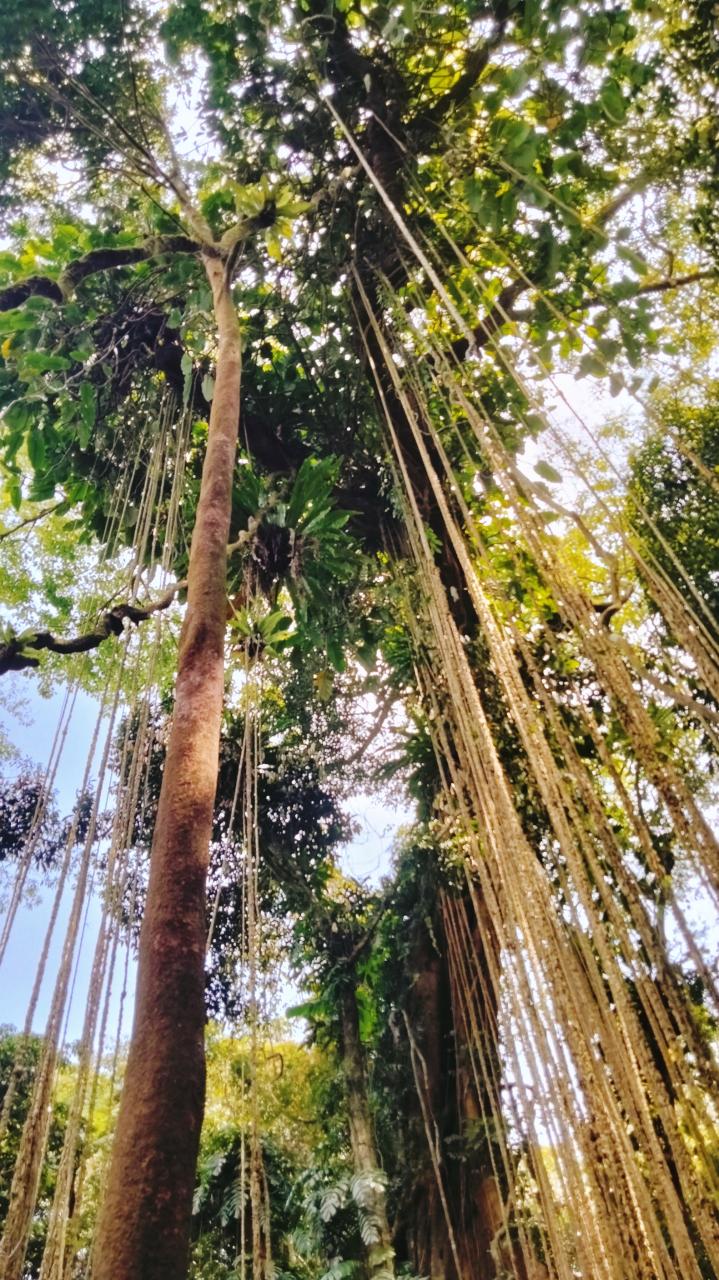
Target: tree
point(448, 166)
point(170, 996)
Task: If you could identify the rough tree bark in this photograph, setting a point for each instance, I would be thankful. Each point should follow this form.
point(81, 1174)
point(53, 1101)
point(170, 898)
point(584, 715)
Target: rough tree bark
point(380, 1260)
point(144, 1225)
point(423, 1221)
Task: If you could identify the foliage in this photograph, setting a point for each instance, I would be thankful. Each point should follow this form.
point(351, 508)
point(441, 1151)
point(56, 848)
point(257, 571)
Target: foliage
point(672, 503)
point(293, 1086)
point(19, 1057)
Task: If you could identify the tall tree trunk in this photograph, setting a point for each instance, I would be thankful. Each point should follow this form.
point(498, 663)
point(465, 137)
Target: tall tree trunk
point(423, 1220)
point(364, 1148)
point(144, 1226)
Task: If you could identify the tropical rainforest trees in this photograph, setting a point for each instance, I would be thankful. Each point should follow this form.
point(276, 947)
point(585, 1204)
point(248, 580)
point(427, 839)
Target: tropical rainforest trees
point(287, 293)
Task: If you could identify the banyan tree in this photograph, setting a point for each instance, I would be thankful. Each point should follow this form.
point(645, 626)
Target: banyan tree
point(358, 431)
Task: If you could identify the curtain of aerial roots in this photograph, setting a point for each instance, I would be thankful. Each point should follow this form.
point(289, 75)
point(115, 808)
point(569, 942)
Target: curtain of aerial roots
point(96, 868)
point(252, 1186)
point(607, 1086)
point(262, 1267)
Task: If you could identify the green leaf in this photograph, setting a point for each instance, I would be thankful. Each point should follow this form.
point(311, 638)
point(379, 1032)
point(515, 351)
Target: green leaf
point(547, 472)
point(88, 413)
point(36, 449)
point(17, 320)
point(314, 481)
point(635, 260)
point(208, 387)
point(250, 200)
point(612, 102)
point(42, 487)
point(512, 133)
point(274, 624)
point(57, 600)
point(247, 496)
point(475, 193)
point(324, 684)
point(273, 245)
point(515, 78)
point(335, 653)
point(37, 303)
point(36, 362)
point(309, 1009)
point(9, 263)
point(591, 364)
point(17, 416)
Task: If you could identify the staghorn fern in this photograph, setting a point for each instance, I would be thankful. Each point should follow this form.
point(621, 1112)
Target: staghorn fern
point(365, 1187)
point(233, 1201)
point(333, 1198)
point(339, 1269)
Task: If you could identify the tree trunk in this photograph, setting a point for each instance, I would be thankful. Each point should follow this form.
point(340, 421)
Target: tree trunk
point(144, 1226)
point(424, 1223)
point(364, 1149)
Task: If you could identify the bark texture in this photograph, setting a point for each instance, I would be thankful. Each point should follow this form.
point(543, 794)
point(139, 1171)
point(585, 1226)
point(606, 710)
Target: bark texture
point(460, 1104)
point(380, 1260)
point(423, 1223)
point(144, 1226)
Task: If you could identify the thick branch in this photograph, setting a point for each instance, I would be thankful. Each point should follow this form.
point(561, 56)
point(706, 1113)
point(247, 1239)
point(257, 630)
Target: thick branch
point(501, 312)
point(677, 282)
point(14, 655)
point(474, 64)
point(497, 315)
point(32, 287)
point(665, 285)
point(91, 264)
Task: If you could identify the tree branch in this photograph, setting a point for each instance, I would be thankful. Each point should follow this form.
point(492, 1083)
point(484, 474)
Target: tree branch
point(377, 726)
point(31, 287)
point(93, 262)
point(14, 655)
point(474, 64)
point(497, 315)
point(677, 696)
point(501, 312)
point(617, 203)
point(677, 282)
point(23, 524)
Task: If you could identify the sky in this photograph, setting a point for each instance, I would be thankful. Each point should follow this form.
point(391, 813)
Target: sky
point(31, 734)
point(367, 858)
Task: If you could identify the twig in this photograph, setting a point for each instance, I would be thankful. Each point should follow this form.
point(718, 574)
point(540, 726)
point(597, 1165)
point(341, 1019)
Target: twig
point(22, 524)
point(377, 726)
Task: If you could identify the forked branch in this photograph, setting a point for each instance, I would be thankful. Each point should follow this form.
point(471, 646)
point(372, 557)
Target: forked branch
point(91, 264)
point(16, 655)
